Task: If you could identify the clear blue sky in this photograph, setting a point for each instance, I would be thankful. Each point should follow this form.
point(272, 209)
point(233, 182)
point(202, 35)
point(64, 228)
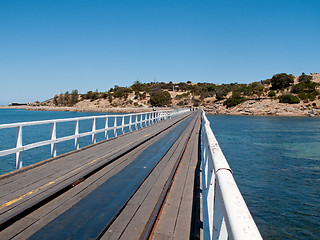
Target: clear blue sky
point(51, 46)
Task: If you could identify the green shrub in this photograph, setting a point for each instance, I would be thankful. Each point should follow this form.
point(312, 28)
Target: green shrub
point(91, 95)
point(305, 78)
point(289, 98)
point(303, 96)
point(311, 96)
point(272, 94)
point(234, 100)
point(307, 87)
point(66, 99)
point(281, 81)
point(160, 98)
point(180, 96)
point(195, 102)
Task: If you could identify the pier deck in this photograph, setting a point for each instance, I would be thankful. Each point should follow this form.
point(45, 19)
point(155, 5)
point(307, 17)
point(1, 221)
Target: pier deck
point(138, 185)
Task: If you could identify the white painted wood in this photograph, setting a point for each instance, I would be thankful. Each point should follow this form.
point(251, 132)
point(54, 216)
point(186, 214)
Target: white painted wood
point(231, 219)
point(76, 133)
point(19, 145)
point(140, 119)
point(53, 137)
point(106, 128)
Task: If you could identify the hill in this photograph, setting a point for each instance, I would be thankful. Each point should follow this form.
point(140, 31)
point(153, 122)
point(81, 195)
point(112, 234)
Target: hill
point(283, 94)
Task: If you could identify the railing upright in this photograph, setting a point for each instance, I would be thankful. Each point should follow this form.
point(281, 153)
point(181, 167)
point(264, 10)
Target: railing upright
point(76, 133)
point(130, 123)
point(19, 145)
point(122, 125)
point(115, 127)
point(225, 213)
point(53, 137)
point(136, 122)
point(94, 140)
point(142, 119)
point(106, 128)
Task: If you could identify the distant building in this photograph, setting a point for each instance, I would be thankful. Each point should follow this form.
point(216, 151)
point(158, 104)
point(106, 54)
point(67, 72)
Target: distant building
point(19, 104)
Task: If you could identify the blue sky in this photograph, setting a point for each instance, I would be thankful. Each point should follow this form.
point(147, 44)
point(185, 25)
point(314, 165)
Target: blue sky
point(48, 47)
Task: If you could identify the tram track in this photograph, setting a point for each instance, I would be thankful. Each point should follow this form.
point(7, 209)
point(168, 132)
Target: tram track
point(113, 166)
point(157, 210)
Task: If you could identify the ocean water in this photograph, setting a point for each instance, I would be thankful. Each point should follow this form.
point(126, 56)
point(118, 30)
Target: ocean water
point(31, 134)
point(276, 164)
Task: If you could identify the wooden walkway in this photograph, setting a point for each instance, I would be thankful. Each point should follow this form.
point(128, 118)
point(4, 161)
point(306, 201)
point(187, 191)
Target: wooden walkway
point(137, 186)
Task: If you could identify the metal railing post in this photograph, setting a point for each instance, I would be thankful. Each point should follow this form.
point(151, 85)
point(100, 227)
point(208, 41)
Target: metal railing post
point(225, 213)
point(53, 137)
point(106, 128)
point(76, 133)
point(93, 129)
point(142, 119)
point(130, 123)
point(122, 124)
point(145, 119)
point(115, 126)
point(19, 144)
point(219, 228)
point(141, 123)
point(136, 121)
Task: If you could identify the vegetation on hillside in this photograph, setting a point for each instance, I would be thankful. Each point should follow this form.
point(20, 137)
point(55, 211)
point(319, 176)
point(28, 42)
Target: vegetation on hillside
point(280, 86)
point(66, 99)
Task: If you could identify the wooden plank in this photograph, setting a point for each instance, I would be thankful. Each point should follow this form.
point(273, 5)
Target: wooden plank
point(138, 221)
point(120, 224)
point(90, 152)
point(175, 219)
point(39, 218)
point(130, 223)
point(186, 207)
point(69, 175)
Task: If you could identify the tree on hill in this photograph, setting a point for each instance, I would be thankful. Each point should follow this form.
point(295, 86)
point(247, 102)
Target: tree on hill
point(281, 81)
point(234, 100)
point(138, 86)
point(66, 99)
point(305, 78)
point(289, 98)
point(160, 98)
point(91, 95)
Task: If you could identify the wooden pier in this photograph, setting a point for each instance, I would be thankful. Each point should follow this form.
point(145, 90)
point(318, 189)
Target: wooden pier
point(140, 185)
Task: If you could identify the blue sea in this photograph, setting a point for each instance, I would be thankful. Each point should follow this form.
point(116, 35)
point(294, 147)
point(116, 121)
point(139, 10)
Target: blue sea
point(31, 134)
point(275, 161)
point(276, 164)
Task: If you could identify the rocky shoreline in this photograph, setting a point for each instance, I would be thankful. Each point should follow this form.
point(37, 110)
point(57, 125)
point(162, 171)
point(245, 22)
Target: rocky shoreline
point(79, 109)
point(267, 107)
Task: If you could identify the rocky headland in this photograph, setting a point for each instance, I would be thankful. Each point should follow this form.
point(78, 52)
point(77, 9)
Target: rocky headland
point(297, 96)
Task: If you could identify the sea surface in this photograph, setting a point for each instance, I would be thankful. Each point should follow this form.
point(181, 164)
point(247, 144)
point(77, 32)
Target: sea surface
point(32, 134)
point(275, 162)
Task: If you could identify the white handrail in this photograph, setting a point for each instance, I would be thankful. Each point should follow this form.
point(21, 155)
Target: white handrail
point(141, 119)
point(225, 213)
